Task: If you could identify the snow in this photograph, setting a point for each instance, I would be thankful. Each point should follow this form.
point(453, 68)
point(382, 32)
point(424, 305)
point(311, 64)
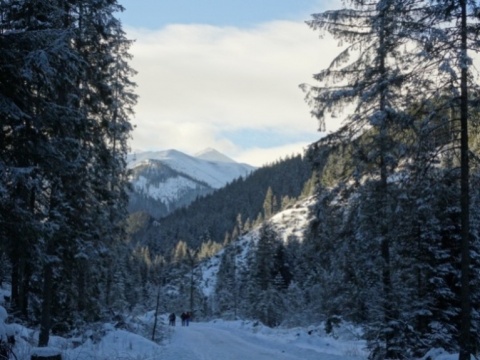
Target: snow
point(45, 351)
point(210, 154)
point(217, 339)
point(211, 168)
point(117, 344)
point(246, 340)
point(3, 314)
point(233, 340)
point(209, 270)
point(291, 222)
point(167, 191)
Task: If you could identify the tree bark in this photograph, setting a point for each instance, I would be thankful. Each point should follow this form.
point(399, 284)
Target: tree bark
point(44, 335)
point(156, 314)
point(465, 301)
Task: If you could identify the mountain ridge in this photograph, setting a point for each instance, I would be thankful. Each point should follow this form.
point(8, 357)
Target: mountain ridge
point(210, 154)
point(163, 181)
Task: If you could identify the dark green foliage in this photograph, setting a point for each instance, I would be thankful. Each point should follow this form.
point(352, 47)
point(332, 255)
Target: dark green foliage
point(220, 212)
point(65, 102)
point(374, 73)
point(227, 284)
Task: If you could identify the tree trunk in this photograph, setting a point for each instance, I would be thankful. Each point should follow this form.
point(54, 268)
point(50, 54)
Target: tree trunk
point(388, 304)
point(465, 301)
point(156, 314)
point(81, 284)
point(25, 287)
point(15, 279)
point(45, 321)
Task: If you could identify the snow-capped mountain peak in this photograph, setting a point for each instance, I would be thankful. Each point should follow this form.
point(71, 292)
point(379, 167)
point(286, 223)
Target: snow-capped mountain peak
point(211, 167)
point(165, 180)
point(210, 154)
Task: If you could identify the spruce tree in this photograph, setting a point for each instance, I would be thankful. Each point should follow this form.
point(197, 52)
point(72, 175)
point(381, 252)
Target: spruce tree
point(65, 98)
point(455, 43)
point(372, 82)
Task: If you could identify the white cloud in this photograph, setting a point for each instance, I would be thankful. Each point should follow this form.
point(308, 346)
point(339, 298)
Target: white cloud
point(197, 82)
point(262, 156)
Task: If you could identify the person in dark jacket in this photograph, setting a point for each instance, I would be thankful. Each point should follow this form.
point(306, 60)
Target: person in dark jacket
point(171, 319)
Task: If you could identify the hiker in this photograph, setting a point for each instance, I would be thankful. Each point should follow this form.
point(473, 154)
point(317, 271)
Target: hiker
point(187, 318)
point(184, 318)
point(171, 319)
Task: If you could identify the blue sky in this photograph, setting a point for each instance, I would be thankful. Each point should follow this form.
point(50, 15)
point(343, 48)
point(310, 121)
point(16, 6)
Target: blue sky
point(154, 14)
point(225, 75)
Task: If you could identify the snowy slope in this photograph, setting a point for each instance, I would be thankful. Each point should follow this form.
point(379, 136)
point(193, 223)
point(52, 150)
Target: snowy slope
point(168, 189)
point(210, 154)
point(209, 166)
point(167, 180)
point(290, 222)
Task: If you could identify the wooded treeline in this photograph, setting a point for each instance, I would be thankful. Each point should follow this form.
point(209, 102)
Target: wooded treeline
point(395, 243)
point(163, 257)
point(228, 212)
point(406, 67)
point(65, 101)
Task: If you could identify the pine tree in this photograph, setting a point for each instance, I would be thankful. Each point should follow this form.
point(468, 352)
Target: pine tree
point(269, 204)
point(458, 66)
point(226, 287)
point(264, 263)
point(373, 82)
point(66, 102)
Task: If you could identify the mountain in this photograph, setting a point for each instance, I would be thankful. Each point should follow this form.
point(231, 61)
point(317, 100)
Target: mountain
point(210, 154)
point(163, 181)
point(228, 211)
point(290, 224)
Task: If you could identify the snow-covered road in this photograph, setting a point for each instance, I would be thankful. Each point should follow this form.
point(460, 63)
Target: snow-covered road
point(209, 341)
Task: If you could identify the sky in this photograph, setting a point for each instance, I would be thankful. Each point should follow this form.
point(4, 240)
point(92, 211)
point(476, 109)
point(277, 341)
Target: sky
point(225, 75)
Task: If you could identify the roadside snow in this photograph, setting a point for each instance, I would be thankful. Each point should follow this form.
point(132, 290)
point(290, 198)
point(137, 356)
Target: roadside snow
point(243, 340)
point(229, 340)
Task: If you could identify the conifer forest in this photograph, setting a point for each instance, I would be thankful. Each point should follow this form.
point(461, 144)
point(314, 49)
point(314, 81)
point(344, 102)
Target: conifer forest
point(392, 243)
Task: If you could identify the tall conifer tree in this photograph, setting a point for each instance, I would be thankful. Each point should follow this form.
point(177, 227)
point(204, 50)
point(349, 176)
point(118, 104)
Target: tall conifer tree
point(372, 82)
point(65, 102)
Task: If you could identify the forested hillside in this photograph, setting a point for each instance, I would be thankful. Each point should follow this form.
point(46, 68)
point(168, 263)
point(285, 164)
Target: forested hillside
point(222, 216)
point(175, 189)
point(378, 224)
point(396, 243)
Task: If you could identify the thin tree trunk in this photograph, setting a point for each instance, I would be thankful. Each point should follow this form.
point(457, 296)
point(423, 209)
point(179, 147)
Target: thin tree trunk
point(156, 314)
point(14, 298)
point(465, 301)
point(191, 289)
point(47, 296)
point(45, 321)
point(388, 305)
point(25, 288)
point(81, 286)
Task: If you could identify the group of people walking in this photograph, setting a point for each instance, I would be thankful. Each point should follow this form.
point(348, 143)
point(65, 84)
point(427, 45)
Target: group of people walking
point(185, 317)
